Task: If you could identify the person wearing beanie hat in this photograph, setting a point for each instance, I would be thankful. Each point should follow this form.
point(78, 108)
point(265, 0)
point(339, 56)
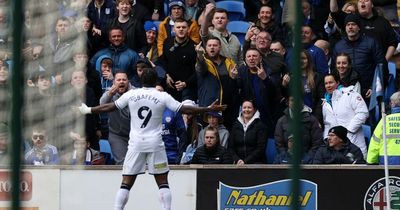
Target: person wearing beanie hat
point(165, 29)
point(352, 18)
point(214, 119)
point(178, 3)
point(149, 25)
point(339, 149)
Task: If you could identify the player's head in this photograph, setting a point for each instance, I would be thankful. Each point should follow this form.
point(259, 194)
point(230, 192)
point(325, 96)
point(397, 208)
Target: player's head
point(149, 77)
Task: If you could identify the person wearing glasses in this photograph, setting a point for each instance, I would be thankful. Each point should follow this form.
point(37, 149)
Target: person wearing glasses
point(41, 152)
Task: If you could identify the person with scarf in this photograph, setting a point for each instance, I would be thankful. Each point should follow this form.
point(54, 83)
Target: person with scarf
point(345, 107)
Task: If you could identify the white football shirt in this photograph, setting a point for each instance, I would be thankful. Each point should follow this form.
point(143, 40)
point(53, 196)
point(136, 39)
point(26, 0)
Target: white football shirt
point(146, 106)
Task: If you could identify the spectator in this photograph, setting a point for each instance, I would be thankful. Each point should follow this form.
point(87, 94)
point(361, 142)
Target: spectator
point(82, 153)
point(326, 48)
point(364, 51)
point(166, 27)
point(133, 31)
point(377, 27)
point(100, 12)
point(41, 153)
point(278, 47)
point(216, 79)
point(179, 60)
point(266, 22)
point(338, 149)
point(104, 69)
point(317, 54)
point(215, 120)
point(334, 25)
point(150, 49)
point(286, 157)
point(4, 92)
point(188, 148)
point(4, 144)
point(212, 152)
point(124, 58)
point(173, 132)
point(85, 94)
point(376, 149)
point(252, 8)
point(230, 46)
point(348, 77)
point(248, 137)
point(119, 120)
point(256, 83)
point(312, 83)
point(311, 130)
point(345, 107)
point(194, 9)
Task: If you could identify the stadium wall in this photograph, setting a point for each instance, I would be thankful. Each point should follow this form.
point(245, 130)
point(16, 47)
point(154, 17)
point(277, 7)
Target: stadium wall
point(196, 187)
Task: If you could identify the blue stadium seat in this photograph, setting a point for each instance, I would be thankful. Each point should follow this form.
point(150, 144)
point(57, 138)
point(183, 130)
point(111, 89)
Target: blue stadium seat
point(239, 28)
point(106, 148)
point(367, 133)
point(166, 9)
point(235, 9)
point(270, 151)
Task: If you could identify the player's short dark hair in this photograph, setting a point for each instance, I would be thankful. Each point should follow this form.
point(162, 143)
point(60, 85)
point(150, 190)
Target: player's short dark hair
point(149, 77)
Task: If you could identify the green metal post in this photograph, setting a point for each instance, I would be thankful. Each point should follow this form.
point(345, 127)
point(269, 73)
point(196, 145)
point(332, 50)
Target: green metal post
point(16, 99)
point(297, 96)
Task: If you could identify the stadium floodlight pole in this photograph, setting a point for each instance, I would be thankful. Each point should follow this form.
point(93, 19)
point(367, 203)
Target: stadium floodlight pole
point(16, 99)
point(294, 10)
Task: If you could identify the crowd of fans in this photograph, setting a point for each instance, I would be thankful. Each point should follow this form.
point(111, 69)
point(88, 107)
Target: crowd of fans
point(93, 51)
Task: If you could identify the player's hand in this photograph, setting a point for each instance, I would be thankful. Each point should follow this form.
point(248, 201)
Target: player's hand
point(217, 107)
point(84, 109)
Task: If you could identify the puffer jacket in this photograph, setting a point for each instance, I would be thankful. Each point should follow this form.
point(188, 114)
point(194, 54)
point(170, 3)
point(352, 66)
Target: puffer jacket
point(247, 141)
point(311, 132)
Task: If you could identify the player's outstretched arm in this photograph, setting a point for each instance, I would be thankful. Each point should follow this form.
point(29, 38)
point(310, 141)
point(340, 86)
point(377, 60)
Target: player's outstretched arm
point(84, 109)
point(214, 107)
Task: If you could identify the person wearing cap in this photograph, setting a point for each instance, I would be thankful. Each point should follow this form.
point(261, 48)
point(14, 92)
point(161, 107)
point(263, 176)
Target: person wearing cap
point(212, 152)
point(364, 51)
point(134, 33)
point(177, 10)
point(149, 50)
point(338, 149)
point(376, 150)
point(215, 120)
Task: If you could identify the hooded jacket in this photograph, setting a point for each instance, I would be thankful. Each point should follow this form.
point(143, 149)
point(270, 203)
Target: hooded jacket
point(247, 141)
point(311, 132)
